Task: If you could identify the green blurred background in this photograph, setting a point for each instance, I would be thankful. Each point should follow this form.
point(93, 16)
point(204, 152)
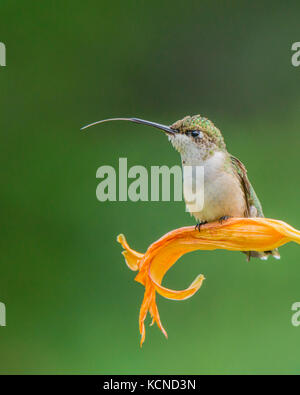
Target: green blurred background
point(72, 304)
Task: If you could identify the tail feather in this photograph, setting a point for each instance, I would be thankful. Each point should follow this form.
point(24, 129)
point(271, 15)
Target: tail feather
point(263, 255)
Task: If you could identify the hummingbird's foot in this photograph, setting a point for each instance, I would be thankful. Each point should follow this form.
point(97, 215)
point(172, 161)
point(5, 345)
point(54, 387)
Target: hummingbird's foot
point(199, 224)
point(224, 218)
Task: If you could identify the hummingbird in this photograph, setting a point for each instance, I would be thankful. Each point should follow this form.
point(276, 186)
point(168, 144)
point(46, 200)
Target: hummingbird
point(227, 189)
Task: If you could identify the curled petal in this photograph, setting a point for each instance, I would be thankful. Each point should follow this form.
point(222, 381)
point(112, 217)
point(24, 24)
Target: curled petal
point(132, 258)
point(179, 295)
point(236, 234)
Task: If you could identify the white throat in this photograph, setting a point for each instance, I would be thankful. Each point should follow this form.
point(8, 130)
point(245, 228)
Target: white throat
point(193, 154)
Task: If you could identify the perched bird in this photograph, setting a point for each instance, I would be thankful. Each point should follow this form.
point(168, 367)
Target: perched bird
point(227, 189)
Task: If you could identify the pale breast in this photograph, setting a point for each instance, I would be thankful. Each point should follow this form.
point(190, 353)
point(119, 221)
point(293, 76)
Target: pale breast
point(221, 191)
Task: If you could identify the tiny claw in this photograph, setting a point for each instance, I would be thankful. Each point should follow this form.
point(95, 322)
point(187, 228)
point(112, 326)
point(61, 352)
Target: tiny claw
point(224, 218)
point(199, 224)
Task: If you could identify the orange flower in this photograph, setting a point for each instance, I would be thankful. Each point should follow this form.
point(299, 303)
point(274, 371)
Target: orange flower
point(236, 234)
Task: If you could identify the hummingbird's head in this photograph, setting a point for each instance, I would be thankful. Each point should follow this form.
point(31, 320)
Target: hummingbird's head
point(194, 136)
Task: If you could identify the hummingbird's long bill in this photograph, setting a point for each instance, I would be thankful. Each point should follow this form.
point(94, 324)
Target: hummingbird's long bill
point(165, 128)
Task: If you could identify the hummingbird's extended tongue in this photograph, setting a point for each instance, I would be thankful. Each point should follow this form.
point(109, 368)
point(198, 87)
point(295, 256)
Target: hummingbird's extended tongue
point(165, 128)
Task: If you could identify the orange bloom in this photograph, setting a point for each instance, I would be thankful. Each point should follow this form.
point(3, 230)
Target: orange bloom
point(236, 234)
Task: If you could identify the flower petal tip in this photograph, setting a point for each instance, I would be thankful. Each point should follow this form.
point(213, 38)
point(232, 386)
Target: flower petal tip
point(120, 238)
point(132, 257)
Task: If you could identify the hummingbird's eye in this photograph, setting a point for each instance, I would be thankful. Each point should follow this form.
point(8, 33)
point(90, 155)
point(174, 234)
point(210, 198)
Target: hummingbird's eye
point(196, 133)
